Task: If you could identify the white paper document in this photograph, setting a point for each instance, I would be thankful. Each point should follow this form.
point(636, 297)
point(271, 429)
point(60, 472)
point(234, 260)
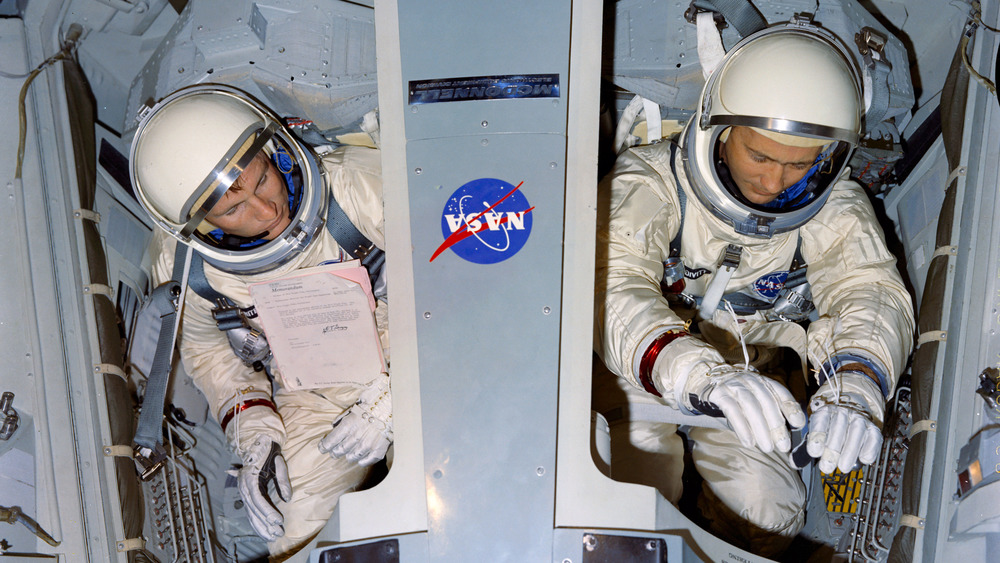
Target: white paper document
point(320, 324)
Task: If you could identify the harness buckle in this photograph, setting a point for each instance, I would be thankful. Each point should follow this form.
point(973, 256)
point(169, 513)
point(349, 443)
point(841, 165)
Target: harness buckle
point(731, 258)
point(148, 460)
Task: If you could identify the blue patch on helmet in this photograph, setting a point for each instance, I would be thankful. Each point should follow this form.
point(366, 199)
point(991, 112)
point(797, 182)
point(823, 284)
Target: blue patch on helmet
point(768, 285)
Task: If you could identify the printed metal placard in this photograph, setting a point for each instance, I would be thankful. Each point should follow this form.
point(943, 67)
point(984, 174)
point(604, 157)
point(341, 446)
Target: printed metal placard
point(841, 490)
point(511, 86)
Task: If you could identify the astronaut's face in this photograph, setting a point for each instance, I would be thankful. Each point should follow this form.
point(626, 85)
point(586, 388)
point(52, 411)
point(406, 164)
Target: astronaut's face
point(256, 202)
point(762, 168)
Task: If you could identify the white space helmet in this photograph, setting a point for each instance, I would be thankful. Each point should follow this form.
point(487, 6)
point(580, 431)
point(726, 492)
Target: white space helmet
point(795, 84)
point(189, 149)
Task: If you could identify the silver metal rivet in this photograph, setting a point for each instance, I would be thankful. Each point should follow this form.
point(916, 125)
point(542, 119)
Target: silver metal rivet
point(485, 123)
point(427, 314)
point(546, 310)
point(418, 171)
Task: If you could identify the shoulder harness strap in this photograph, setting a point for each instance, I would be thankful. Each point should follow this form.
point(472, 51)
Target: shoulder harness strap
point(675, 244)
point(249, 344)
point(350, 238)
point(227, 314)
point(199, 283)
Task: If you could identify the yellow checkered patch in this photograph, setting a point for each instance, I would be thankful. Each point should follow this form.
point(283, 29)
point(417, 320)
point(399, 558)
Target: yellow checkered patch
point(841, 490)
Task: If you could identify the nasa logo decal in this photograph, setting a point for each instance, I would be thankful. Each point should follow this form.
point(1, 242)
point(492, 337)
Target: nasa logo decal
point(768, 285)
point(485, 221)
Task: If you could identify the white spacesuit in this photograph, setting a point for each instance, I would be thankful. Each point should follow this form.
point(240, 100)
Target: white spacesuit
point(759, 180)
point(315, 444)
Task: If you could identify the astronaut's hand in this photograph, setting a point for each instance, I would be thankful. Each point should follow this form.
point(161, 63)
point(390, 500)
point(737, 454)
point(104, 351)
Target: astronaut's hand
point(262, 464)
point(842, 430)
point(363, 432)
point(756, 407)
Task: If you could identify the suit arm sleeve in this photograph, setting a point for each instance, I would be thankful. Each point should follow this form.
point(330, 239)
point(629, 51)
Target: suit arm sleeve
point(638, 217)
point(866, 313)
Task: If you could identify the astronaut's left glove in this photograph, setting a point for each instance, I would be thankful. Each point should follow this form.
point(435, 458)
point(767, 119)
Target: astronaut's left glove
point(363, 432)
point(845, 424)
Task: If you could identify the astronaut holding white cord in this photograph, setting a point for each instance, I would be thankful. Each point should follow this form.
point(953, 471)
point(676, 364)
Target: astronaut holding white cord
point(697, 253)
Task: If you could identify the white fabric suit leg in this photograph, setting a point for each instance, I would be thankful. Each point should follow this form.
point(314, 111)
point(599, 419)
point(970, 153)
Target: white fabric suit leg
point(754, 500)
point(318, 480)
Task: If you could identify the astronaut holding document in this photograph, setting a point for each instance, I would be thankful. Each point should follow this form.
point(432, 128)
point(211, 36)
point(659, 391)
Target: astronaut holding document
point(225, 179)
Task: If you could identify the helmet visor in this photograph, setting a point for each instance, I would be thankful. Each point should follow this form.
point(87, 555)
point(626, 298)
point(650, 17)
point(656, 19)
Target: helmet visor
point(218, 182)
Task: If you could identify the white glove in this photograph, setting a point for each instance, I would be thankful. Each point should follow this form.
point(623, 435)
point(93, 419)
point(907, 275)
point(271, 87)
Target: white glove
point(756, 407)
point(842, 427)
point(363, 432)
point(262, 464)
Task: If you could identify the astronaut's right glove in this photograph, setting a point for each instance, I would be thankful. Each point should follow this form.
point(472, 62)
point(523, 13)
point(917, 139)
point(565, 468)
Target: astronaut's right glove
point(363, 432)
point(756, 407)
point(691, 375)
point(262, 464)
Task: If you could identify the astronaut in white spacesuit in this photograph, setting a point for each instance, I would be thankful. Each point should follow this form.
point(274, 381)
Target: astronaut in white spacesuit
point(755, 187)
point(221, 174)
